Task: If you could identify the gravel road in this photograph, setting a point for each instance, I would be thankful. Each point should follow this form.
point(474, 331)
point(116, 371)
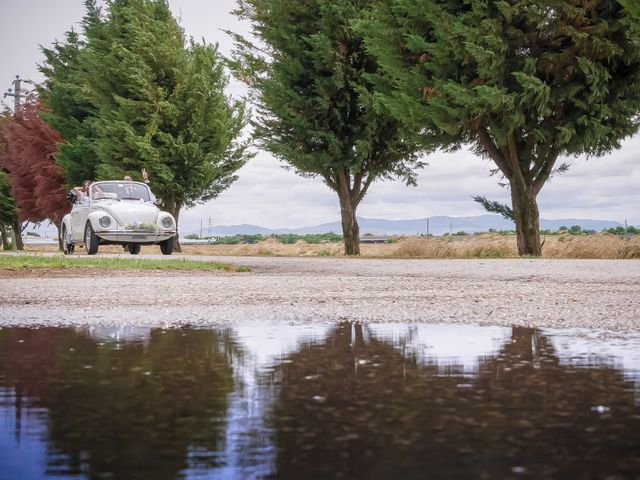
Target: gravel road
point(595, 294)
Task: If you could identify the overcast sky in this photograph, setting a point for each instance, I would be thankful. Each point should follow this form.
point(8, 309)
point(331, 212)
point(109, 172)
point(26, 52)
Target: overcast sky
point(601, 188)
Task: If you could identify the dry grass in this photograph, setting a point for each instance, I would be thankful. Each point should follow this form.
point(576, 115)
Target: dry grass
point(489, 245)
point(603, 246)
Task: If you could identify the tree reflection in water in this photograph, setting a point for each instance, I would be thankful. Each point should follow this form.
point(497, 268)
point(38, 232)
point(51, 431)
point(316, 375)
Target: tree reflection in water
point(140, 411)
point(353, 406)
point(349, 405)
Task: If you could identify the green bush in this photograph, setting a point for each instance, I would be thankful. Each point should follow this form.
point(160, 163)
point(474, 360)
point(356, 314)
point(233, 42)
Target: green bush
point(285, 238)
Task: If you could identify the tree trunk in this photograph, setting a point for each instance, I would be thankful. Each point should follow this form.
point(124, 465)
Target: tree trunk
point(58, 225)
point(526, 181)
point(176, 240)
point(4, 238)
point(350, 228)
point(17, 230)
point(173, 207)
point(527, 219)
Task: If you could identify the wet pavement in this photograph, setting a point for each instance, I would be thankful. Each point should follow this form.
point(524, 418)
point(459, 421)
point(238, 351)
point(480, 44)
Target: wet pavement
point(315, 401)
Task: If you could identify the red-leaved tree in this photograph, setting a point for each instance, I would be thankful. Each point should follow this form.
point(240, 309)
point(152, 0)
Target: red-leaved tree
point(37, 181)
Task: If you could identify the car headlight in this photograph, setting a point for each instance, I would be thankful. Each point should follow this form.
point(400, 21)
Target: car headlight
point(105, 221)
point(167, 222)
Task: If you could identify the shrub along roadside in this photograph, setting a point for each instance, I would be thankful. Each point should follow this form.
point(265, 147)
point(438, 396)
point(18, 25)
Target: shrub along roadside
point(285, 238)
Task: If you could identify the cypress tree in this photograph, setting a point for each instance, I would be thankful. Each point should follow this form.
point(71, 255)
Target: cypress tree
point(312, 81)
point(524, 83)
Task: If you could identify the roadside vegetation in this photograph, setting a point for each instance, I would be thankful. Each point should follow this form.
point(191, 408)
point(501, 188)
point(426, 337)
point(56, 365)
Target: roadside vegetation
point(27, 262)
point(285, 238)
point(556, 245)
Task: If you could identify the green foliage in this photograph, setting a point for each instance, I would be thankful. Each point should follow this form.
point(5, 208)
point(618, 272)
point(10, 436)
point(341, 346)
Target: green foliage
point(545, 75)
point(623, 231)
point(8, 209)
point(489, 252)
point(317, 110)
point(285, 238)
point(238, 239)
point(69, 110)
point(495, 207)
point(616, 230)
point(133, 94)
point(290, 238)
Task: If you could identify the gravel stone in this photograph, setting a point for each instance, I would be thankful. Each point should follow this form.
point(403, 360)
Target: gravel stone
point(592, 294)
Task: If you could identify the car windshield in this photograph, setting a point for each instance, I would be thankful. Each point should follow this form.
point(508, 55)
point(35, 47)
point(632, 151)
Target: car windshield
point(120, 191)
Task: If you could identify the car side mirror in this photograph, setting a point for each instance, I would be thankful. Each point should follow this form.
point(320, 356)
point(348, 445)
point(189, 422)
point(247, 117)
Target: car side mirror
point(72, 197)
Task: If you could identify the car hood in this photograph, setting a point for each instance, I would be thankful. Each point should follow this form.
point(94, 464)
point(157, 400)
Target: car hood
point(130, 213)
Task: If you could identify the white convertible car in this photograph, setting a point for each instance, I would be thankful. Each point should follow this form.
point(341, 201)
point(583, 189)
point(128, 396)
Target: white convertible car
point(117, 213)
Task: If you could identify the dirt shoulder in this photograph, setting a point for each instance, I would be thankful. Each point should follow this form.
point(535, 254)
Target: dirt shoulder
point(594, 294)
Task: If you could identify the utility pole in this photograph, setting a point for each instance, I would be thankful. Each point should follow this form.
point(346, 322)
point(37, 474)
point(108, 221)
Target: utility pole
point(200, 228)
point(427, 226)
point(17, 95)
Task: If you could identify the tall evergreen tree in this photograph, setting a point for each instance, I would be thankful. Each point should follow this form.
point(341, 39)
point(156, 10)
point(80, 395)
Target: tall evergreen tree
point(316, 108)
point(523, 82)
point(140, 96)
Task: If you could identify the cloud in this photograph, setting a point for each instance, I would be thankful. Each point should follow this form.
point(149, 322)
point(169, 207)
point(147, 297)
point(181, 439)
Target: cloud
point(603, 188)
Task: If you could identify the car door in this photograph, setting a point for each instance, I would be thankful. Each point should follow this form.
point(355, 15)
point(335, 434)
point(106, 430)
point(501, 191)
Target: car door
point(79, 214)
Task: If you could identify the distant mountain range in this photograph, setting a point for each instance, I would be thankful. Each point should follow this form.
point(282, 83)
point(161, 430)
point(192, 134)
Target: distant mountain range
point(379, 226)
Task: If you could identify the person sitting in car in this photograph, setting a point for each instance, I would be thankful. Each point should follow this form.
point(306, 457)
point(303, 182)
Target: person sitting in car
point(82, 190)
point(79, 194)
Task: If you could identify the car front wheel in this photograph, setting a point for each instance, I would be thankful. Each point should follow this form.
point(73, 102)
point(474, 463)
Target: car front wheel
point(166, 247)
point(67, 246)
point(90, 240)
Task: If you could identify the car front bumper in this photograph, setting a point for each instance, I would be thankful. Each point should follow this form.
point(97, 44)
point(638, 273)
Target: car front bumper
point(135, 236)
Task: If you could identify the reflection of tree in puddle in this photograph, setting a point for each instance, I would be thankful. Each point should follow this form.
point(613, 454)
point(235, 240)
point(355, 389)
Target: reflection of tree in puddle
point(138, 411)
point(354, 407)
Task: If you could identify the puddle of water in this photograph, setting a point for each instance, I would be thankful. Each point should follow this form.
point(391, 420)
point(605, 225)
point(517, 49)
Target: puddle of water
point(318, 401)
